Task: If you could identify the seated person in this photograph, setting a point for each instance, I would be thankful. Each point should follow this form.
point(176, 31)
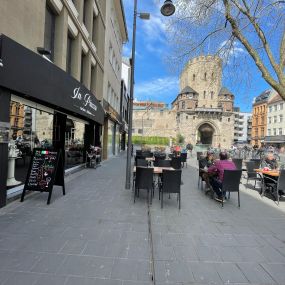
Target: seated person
point(269, 161)
point(204, 164)
point(218, 168)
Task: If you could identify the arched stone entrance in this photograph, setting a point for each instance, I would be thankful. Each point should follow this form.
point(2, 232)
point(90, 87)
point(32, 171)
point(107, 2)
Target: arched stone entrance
point(205, 134)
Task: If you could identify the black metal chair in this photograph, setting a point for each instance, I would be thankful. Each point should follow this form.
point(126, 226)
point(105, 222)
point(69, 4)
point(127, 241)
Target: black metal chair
point(251, 174)
point(171, 183)
point(231, 183)
point(200, 177)
point(199, 154)
point(157, 158)
point(184, 158)
point(141, 162)
point(164, 163)
point(144, 180)
point(257, 162)
point(276, 186)
point(138, 152)
point(238, 163)
point(176, 162)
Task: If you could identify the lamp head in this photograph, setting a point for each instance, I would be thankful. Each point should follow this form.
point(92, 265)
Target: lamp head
point(167, 8)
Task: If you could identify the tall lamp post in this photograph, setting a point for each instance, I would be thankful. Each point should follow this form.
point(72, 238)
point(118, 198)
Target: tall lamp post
point(167, 9)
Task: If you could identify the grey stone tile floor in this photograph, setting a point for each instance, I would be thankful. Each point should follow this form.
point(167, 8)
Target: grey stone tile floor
point(97, 235)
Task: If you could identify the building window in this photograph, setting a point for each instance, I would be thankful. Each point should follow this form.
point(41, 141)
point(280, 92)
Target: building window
point(262, 120)
point(85, 12)
point(204, 94)
point(275, 107)
point(212, 94)
point(212, 75)
point(183, 105)
point(269, 132)
point(83, 57)
point(262, 132)
point(229, 119)
point(280, 118)
point(269, 120)
point(281, 106)
point(275, 119)
point(49, 32)
point(280, 131)
point(186, 117)
point(274, 132)
point(270, 109)
point(205, 76)
point(194, 76)
point(69, 54)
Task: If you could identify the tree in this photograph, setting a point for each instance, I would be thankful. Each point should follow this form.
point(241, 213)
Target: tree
point(180, 139)
point(255, 27)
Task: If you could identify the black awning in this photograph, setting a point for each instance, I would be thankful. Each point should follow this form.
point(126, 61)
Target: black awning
point(275, 139)
point(29, 74)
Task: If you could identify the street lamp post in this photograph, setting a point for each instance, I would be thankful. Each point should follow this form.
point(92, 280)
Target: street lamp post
point(144, 16)
point(167, 9)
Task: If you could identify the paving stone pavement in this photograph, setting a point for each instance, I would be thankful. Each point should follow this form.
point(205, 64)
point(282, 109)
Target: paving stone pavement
point(97, 235)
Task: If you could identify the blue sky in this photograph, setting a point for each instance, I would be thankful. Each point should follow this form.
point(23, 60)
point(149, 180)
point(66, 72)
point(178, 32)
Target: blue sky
point(155, 80)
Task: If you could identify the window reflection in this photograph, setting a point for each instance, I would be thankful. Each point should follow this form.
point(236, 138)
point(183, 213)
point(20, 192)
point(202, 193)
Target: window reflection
point(74, 143)
point(29, 128)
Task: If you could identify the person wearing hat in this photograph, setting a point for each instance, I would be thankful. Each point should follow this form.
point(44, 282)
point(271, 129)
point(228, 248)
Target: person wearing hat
point(218, 169)
point(204, 164)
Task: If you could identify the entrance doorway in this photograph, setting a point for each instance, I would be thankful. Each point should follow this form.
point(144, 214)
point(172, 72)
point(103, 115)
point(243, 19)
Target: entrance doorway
point(205, 134)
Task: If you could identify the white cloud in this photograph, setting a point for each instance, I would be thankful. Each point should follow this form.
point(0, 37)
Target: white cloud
point(230, 50)
point(126, 51)
point(161, 89)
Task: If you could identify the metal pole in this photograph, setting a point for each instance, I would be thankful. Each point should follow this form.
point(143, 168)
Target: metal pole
point(129, 157)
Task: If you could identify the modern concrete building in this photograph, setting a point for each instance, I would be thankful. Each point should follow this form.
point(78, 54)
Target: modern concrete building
point(124, 102)
point(275, 121)
point(259, 118)
point(241, 126)
point(52, 54)
point(116, 35)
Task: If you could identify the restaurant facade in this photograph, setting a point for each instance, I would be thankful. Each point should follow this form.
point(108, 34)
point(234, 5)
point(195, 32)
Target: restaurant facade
point(41, 106)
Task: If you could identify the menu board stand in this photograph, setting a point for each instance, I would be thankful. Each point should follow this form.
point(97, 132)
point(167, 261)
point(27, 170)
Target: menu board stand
point(46, 170)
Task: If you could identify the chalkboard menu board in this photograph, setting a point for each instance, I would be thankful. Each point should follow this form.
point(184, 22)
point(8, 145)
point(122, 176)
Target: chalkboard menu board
point(42, 172)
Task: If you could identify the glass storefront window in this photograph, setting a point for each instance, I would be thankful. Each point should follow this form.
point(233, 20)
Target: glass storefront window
point(74, 143)
point(29, 128)
point(111, 138)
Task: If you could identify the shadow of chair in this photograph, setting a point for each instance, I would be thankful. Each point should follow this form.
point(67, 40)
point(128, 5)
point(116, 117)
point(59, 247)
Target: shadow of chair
point(171, 183)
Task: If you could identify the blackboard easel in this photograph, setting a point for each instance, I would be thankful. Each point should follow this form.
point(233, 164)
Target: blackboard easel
point(46, 170)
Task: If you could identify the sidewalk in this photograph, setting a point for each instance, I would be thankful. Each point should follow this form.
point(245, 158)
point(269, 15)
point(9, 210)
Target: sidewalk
point(97, 235)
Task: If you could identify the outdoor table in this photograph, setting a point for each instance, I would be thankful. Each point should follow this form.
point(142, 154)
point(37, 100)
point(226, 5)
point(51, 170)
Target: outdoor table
point(274, 173)
point(156, 169)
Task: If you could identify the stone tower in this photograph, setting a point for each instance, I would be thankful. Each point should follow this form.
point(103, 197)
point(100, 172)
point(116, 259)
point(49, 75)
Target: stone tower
point(204, 75)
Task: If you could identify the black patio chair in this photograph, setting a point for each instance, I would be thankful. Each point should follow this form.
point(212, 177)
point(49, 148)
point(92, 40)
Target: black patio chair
point(138, 152)
point(176, 162)
point(144, 180)
point(199, 154)
point(200, 172)
point(276, 187)
point(257, 162)
point(184, 158)
point(164, 163)
point(171, 183)
point(238, 163)
point(141, 162)
point(231, 183)
point(251, 174)
point(157, 158)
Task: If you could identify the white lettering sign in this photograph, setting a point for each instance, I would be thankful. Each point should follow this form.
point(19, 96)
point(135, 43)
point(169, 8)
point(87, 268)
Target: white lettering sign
point(86, 100)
